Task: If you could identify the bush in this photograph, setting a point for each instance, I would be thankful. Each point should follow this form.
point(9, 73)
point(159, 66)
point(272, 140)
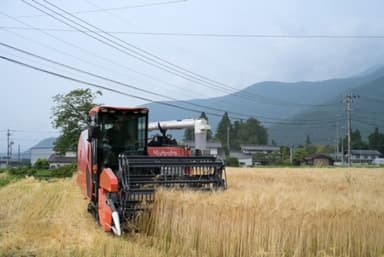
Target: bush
point(6, 180)
point(21, 172)
point(18, 173)
point(41, 164)
point(64, 171)
point(232, 162)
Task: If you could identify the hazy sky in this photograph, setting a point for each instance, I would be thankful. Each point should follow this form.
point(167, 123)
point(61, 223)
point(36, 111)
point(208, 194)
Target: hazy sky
point(236, 62)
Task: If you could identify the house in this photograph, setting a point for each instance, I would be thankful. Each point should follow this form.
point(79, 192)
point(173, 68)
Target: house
point(364, 156)
point(255, 149)
point(318, 160)
point(57, 160)
point(40, 153)
point(13, 163)
point(245, 160)
point(42, 150)
point(263, 154)
point(213, 147)
point(3, 163)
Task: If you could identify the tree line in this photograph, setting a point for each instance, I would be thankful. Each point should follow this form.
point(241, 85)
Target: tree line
point(233, 134)
point(375, 141)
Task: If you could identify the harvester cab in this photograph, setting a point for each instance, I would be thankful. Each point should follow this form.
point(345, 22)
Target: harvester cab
point(119, 169)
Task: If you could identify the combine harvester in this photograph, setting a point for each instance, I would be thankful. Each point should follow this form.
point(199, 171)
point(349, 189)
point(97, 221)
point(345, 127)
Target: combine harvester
point(119, 168)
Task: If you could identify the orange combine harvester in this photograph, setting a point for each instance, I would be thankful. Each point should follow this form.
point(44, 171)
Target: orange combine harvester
point(119, 168)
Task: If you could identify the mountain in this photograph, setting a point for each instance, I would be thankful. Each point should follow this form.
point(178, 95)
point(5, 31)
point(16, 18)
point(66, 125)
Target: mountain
point(323, 124)
point(46, 143)
point(289, 110)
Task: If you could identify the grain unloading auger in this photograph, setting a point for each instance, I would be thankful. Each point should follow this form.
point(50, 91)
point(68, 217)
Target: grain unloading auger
point(119, 170)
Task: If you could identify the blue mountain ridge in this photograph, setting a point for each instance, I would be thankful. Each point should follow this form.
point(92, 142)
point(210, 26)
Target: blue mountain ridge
point(276, 103)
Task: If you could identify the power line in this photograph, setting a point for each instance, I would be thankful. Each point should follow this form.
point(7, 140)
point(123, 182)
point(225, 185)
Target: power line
point(151, 92)
point(154, 60)
point(106, 88)
point(137, 53)
point(209, 35)
point(93, 54)
point(94, 84)
point(113, 8)
point(33, 131)
point(296, 122)
point(372, 99)
point(108, 79)
point(118, 46)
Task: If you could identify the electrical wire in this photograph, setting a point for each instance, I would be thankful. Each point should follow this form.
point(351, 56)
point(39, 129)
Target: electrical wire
point(114, 90)
point(91, 53)
point(111, 80)
point(113, 8)
point(239, 115)
point(152, 59)
point(56, 74)
point(118, 43)
point(210, 35)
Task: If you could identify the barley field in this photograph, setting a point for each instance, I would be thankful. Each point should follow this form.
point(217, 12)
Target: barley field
point(265, 212)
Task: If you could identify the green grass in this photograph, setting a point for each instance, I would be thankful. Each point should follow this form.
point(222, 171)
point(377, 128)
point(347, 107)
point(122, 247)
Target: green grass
point(43, 174)
point(8, 176)
point(6, 179)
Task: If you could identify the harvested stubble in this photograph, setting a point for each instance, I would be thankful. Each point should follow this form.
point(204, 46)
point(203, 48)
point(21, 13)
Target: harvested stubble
point(264, 212)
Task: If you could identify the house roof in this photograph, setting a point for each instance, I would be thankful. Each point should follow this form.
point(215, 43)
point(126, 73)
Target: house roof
point(214, 144)
point(240, 156)
point(56, 158)
point(317, 156)
point(259, 148)
point(365, 152)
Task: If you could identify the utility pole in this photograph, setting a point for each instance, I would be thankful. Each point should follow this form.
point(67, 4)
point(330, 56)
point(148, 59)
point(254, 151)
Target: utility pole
point(342, 151)
point(228, 138)
point(342, 135)
point(349, 98)
point(337, 141)
point(8, 146)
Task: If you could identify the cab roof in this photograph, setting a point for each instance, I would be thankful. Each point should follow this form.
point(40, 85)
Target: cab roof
point(106, 108)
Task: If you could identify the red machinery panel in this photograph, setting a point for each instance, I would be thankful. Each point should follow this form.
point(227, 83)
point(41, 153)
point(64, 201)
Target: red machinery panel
point(169, 151)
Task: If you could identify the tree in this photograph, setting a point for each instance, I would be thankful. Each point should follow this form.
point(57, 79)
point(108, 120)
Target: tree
point(308, 140)
point(356, 141)
point(249, 132)
point(223, 129)
point(376, 141)
point(70, 116)
point(298, 155)
point(285, 153)
point(188, 134)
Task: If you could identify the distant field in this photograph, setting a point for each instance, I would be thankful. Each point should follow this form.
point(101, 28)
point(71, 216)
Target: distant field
point(265, 212)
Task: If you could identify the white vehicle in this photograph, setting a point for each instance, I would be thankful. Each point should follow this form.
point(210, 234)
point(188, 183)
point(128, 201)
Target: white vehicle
point(378, 161)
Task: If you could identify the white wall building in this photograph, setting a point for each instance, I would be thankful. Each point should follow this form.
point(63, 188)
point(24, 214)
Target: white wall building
point(40, 153)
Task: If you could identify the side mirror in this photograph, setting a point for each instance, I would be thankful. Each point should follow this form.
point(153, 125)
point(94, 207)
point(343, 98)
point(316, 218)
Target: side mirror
point(93, 132)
